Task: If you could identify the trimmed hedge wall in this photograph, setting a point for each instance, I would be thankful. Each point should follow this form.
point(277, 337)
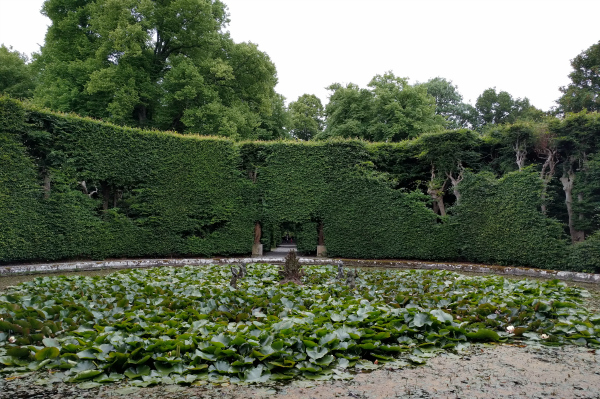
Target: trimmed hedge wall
point(499, 221)
point(152, 193)
point(174, 195)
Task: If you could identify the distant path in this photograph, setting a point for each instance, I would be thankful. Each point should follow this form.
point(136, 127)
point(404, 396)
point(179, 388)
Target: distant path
point(281, 251)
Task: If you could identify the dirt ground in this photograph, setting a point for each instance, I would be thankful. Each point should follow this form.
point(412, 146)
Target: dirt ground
point(488, 371)
point(483, 372)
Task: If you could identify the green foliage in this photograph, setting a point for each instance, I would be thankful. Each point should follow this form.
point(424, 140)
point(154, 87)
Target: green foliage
point(390, 110)
point(17, 78)
point(180, 325)
point(450, 149)
point(20, 211)
point(166, 64)
point(72, 187)
point(497, 108)
point(499, 221)
point(584, 255)
point(145, 193)
point(584, 90)
point(306, 116)
point(448, 102)
point(587, 190)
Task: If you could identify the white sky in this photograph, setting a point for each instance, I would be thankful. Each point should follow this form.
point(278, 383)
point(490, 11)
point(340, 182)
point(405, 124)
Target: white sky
point(522, 47)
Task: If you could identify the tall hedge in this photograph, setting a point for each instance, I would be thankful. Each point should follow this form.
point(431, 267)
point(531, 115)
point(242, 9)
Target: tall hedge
point(122, 192)
point(499, 221)
point(174, 195)
point(20, 213)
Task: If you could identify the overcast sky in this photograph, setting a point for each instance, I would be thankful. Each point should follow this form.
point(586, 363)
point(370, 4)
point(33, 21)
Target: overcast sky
point(523, 47)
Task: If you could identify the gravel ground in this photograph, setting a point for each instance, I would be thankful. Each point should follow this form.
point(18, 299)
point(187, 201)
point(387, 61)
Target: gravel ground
point(488, 371)
point(483, 372)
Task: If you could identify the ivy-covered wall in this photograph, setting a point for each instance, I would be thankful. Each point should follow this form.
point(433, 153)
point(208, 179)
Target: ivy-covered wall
point(73, 187)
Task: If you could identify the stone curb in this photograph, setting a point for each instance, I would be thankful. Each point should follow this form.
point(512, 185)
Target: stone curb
point(145, 263)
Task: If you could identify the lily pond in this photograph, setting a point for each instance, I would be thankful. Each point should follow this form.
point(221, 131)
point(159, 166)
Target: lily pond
point(187, 325)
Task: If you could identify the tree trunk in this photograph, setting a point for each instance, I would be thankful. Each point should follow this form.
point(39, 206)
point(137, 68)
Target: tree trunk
point(438, 205)
point(117, 194)
point(321, 234)
point(437, 193)
point(567, 182)
point(546, 175)
point(47, 185)
point(456, 181)
point(257, 233)
point(105, 195)
point(142, 115)
point(521, 154)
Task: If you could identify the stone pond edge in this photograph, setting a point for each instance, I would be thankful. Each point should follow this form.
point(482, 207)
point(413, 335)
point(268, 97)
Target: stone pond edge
point(57, 267)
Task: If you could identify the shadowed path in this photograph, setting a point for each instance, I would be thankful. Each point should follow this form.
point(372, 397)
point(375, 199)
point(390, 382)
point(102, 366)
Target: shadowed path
point(281, 251)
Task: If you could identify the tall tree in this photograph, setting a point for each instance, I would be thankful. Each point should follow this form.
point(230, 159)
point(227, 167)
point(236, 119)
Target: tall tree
point(401, 111)
point(449, 104)
point(390, 110)
point(306, 116)
point(497, 108)
point(17, 78)
point(349, 112)
point(166, 64)
point(584, 90)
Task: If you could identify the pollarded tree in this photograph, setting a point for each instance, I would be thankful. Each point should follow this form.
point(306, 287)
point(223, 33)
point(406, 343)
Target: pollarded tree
point(584, 90)
point(306, 117)
point(167, 64)
point(16, 76)
point(448, 153)
point(578, 138)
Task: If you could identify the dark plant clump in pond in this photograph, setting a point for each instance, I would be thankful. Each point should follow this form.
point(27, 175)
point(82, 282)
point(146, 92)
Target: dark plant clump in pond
point(187, 325)
point(237, 274)
point(291, 272)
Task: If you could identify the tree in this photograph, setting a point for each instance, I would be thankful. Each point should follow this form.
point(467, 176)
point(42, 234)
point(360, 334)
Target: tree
point(448, 153)
point(275, 126)
point(584, 90)
point(497, 108)
point(401, 111)
point(390, 110)
point(16, 75)
point(577, 139)
point(348, 112)
point(448, 102)
point(306, 116)
point(166, 64)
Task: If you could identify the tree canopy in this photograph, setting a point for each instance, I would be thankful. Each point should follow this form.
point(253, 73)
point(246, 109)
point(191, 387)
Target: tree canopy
point(306, 117)
point(166, 64)
point(17, 78)
point(584, 90)
point(389, 110)
point(449, 104)
point(500, 107)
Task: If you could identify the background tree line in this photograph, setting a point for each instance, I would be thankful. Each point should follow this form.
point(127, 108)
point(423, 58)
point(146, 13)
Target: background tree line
point(171, 65)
